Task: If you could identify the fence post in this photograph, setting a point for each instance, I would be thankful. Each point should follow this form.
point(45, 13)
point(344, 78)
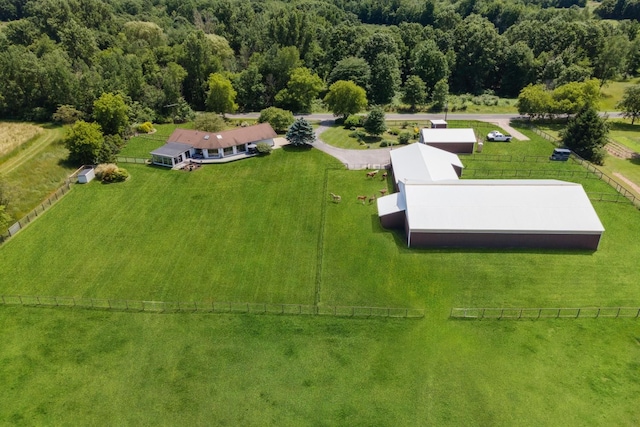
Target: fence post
point(539, 313)
point(638, 313)
point(578, 313)
point(558, 313)
point(618, 313)
point(598, 313)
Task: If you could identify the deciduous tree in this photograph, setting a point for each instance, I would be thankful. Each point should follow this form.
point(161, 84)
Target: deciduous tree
point(303, 87)
point(111, 113)
point(221, 96)
point(84, 141)
point(385, 79)
point(345, 98)
point(630, 103)
point(414, 92)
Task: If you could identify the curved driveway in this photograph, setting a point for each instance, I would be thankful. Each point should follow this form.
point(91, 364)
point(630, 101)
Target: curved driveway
point(377, 158)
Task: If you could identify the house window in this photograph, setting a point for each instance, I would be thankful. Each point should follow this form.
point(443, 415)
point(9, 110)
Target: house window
point(241, 148)
point(228, 151)
point(213, 152)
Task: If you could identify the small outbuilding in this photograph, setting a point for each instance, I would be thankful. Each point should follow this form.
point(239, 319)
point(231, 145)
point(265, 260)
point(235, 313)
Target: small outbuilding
point(86, 175)
point(458, 141)
point(438, 124)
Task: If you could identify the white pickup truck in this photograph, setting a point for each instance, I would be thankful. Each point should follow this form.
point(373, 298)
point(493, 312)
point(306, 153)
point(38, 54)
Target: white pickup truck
point(497, 136)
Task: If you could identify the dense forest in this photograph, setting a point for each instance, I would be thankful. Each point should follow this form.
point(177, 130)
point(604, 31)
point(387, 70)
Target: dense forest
point(160, 54)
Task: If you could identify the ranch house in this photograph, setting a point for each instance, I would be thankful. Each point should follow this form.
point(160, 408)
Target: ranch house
point(212, 147)
point(458, 141)
point(436, 209)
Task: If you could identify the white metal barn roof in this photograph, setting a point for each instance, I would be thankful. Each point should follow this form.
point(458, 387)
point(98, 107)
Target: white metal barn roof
point(391, 204)
point(501, 206)
point(449, 135)
point(419, 162)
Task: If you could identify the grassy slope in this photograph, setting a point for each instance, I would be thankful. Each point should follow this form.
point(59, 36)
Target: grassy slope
point(81, 367)
point(34, 171)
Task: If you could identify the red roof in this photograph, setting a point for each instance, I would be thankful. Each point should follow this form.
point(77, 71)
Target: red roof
point(223, 139)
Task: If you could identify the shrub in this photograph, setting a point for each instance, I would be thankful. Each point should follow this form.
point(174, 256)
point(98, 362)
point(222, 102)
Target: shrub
point(110, 172)
point(209, 122)
point(279, 119)
point(358, 134)
point(384, 143)
point(145, 127)
point(263, 148)
point(394, 131)
point(353, 121)
point(404, 137)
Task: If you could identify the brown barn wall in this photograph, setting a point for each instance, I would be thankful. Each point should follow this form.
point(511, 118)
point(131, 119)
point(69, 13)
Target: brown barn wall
point(502, 240)
point(455, 147)
point(394, 220)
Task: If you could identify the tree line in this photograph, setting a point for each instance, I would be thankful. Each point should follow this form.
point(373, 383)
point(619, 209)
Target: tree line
point(169, 57)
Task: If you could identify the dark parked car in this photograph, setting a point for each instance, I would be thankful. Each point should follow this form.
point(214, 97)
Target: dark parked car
point(560, 154)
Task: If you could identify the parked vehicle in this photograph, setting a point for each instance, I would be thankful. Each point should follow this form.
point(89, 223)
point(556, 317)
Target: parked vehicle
point(498, 136)
point(560, 154)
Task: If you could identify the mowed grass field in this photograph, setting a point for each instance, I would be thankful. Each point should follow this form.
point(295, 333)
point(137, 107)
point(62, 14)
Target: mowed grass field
point(251, 231)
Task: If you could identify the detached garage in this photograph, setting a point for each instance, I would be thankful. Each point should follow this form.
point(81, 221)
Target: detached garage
point(458, 141)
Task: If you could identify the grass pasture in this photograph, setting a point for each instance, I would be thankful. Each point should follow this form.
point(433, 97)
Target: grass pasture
point(251, 231)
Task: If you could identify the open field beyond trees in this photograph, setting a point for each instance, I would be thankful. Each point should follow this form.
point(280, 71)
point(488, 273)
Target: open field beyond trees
point(14, 134)
point(265, 230)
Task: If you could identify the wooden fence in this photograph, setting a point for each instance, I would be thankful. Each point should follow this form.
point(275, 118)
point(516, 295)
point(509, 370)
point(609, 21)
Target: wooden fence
point(545, 313)
point(211, 307)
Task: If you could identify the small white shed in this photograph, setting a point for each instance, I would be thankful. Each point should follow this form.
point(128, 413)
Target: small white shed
point(86, 175)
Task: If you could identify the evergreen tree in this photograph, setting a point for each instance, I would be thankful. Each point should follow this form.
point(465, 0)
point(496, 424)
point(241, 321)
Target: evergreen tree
point(375, 124)
point(301, 133)
point(586, 134)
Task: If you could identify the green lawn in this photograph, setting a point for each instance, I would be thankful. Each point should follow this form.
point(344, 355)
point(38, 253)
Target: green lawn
point(251, 231)
point(612, 93)
point(141, 145)
point(340, 137)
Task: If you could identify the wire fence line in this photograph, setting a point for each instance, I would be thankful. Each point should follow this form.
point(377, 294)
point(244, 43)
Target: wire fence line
point(46, 204)
point(210, 307)
point(526, 173)
point(363, 166)
point(545, 313)
point(137, 160)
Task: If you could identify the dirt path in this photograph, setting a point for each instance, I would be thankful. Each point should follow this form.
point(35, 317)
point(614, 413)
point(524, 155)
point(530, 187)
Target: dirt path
point(46, 139)
point(635, 187)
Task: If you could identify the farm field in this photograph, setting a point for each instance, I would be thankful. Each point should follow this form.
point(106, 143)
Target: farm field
point(264, 230)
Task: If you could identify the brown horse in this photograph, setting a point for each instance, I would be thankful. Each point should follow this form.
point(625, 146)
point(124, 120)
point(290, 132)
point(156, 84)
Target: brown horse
point(363, 198)
point(372, 199)
point(383, 191)
point(372, 174)
point(384, 176)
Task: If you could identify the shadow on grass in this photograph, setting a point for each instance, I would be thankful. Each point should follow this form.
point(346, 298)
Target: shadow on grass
point(289, 148)
point(626, 127)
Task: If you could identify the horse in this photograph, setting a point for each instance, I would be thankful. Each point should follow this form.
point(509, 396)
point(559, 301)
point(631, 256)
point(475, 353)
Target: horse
point(363, 198)
point(384, 176)
point(372, 173)
point(336, 198)
point(383, 191)
point(372, 198)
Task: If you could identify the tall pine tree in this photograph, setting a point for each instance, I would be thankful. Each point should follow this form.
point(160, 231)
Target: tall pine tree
point(301, 133)
point(586, 134)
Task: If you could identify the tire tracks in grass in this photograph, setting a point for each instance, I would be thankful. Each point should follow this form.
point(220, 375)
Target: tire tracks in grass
point(48, 137)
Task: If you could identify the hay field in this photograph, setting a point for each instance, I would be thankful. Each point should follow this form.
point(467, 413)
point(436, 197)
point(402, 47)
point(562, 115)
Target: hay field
point(13, 135)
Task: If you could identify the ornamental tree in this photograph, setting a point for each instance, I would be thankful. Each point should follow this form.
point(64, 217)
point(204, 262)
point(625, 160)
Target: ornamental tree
point(279, 119)
point(375, 124)
point(346, 98)
point(301, 133)
point(586, 134)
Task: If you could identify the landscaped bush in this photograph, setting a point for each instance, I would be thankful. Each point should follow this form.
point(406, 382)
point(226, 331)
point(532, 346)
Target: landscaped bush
point(358, 134)
point(404, 137)
point(353, 121)
point(263, 148)
point(145, 127)
point(394, 131)
point(110, 172)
